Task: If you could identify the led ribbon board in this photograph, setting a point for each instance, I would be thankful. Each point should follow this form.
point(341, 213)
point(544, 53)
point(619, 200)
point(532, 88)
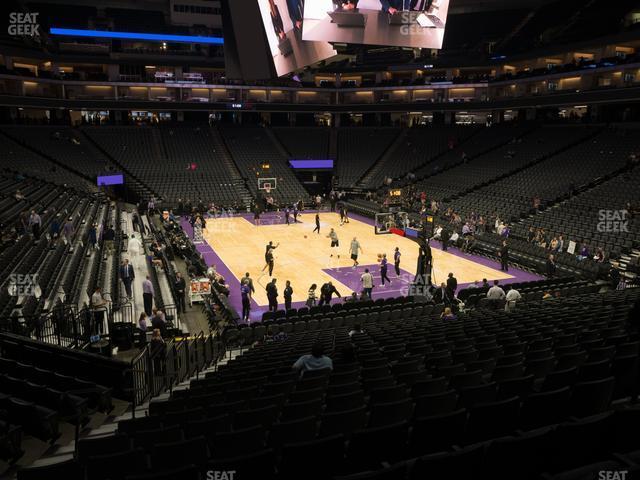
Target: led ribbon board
point(154, 37)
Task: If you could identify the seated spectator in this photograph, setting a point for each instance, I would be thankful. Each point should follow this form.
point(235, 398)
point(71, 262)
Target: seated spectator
point(221, 287)
point(547, 295)
point(281, 336)
point(447, 314)
point(317, 360)
point(357, 329)
point(353, 298)
point(142, 326)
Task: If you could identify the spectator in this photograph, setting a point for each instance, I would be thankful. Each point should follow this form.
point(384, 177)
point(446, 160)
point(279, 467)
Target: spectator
point(281, 336)
point(311, 296)
point(143, 324)
point(127, 275)
point(288, 294)
point(357, 329)
point(496, 292)
point(54, 228)
point(447, 314)
point(98, 308)
point(181, 290)
point(272, 295)
point(35, 223)
point(249, 282)
point(442, 295)
point(512, 297)
point(504, 256)
point(367, 282)
point(147, 295)
point(353, 298)
point(158, 321)
point(93, 236)
point(245, 294)
point(452, 285)
point(326, 293)
point(551, 266)
point(134, 246)
point(157, 351)
point(108, 238)
point(68, 230)
point(316, 361)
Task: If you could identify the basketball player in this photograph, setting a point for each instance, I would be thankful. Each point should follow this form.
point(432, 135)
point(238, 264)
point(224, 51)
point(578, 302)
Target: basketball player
point(286, 215)
point(396, 261)
point(335, 243)
point(341, 211)
point(256, 215)
point(269, 260)
point(295, 213)
point(346, 214)
point(317, 224)
point(383, 269)
point(353, 250)
point(269, 248)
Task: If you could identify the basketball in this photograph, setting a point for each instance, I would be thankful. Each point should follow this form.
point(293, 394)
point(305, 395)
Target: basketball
point(379, 256)
point(305, 236)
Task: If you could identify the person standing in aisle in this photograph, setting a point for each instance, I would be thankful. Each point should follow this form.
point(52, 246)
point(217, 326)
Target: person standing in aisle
point(245, 293)
point(272, 295)
point(288, 294)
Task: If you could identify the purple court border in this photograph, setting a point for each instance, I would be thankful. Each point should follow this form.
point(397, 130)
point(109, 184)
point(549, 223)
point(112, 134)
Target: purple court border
point(346, 275)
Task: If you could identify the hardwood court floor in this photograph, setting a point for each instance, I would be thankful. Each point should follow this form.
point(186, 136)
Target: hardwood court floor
point(303, 261)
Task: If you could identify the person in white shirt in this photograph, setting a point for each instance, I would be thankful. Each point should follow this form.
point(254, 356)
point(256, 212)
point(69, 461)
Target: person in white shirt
point(496, 292)
point(367, 282)
point(134, 247)
point(99, 308)
point(512, 297)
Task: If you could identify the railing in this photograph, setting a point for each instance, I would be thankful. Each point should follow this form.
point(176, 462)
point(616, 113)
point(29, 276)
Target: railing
point(61, 326)
point(141, 366)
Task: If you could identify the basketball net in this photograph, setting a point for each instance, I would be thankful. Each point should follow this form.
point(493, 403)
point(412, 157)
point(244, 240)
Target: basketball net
point(267, 189)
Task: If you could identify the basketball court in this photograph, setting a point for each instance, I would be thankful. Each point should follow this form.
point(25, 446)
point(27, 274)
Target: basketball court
point(236, 246)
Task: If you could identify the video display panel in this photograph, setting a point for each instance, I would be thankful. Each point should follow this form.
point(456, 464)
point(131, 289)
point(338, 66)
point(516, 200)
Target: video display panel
point(402, 23)
point(311, 164)
point(283, 21)
point(106, 180)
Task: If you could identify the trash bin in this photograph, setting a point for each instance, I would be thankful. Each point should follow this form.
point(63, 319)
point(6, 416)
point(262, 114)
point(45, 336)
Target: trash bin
point(122, 335)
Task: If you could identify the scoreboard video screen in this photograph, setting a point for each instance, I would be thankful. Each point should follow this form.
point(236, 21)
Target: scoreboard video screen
point(401, 23)
point(282, 20)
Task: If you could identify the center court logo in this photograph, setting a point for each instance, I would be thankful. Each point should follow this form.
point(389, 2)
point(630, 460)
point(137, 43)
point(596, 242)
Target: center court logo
point(613, 221)
point(23, 24)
